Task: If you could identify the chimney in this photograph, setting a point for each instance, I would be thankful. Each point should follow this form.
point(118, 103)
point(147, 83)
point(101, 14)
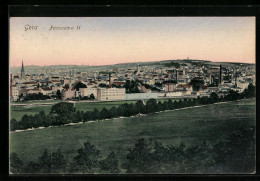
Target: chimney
point(110, 80)
point(176, 76)
point(220, 74)
point(11, 86)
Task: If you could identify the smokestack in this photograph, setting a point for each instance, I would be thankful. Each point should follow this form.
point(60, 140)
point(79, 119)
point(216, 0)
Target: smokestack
point(110, 80)
point(220, 74)
point(11, 86)
point(176, 76)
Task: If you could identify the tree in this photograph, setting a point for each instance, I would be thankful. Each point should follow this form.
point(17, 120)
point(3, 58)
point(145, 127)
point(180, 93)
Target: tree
point(133, 109)
point(95, 114)
point(42, 116)
point(14, 125)
point(63, 112)
point(196, 84)
point(58, 93)
point(87, 159)
point(37, 121)
point(104, 114)
point(79, 85)
point(110, 164)
point(140, 106)
point(48, 121)
point(25, 122)
point(113, 112)
point(78, 117)
point(151, 106)
point(120, 111)
point(15, 163)
point(165, 105)
point(45, 162)
point(103, 85)
point(214, 97)
point(171, 105)
point(58, 163)
point(160, 106)
point(32, 167)
point(132, 86)
point(139, 159)
point(87, 116)
point(92, 97)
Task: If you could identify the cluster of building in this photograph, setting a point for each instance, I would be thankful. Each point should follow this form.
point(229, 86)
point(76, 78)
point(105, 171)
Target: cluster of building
point(108, 85)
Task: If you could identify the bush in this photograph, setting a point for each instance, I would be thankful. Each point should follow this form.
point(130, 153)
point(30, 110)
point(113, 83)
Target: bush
point(14, 125)
point(87, 160)
point(15, 163)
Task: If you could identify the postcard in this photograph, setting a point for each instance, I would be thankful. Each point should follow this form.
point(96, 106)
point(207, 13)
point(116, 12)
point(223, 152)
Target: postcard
point(132, 95)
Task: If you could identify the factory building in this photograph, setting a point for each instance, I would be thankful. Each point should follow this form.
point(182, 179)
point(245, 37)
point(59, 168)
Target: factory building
point(110, 94)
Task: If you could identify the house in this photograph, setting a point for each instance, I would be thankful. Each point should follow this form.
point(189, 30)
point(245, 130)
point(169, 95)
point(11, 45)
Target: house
point(67, 94)
point(88, 91)
point(46, 91)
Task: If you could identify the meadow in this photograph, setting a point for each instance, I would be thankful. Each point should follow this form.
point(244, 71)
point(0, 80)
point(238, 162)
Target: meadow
point(192, 126)
point(16, 112)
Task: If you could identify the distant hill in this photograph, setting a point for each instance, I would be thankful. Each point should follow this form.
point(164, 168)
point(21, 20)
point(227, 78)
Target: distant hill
point(81, 68)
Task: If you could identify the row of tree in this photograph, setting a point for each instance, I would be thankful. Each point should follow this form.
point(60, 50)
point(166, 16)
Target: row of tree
point(63, 113)
point(151, 156)
point(38, 96)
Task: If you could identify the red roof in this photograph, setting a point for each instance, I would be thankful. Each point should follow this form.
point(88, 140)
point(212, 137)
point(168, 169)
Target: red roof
point(46, 88)
point(184, 86)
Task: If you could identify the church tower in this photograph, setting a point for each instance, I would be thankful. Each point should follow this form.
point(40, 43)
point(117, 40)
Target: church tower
point(22, 72)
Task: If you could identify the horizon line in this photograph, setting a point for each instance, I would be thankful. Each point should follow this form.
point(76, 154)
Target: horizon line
point(125, 63)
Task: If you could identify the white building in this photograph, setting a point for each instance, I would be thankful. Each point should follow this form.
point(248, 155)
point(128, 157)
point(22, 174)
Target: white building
point(109, 94)
point(15, 93)
point(88, 91)
point(141, 96)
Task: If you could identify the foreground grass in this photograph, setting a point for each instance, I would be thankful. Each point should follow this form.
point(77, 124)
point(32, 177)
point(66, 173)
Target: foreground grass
point(16, 112)
point(211, 123)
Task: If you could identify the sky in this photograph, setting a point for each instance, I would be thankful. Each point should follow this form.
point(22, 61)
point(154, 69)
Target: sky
point(113, 40)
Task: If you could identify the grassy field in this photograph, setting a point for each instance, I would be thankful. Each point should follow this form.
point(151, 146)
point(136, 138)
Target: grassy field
point(191, 126)
point(18, 111)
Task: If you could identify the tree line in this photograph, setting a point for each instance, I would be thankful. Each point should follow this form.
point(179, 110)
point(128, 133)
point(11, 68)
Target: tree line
point(151, 156)
point(64, 113)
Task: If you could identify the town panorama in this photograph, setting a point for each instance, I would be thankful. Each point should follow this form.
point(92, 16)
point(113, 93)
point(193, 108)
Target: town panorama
point(185, 78)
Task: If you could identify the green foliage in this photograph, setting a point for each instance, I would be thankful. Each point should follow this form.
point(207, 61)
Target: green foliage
point(132, 86)
point(16, 165)
point(58, 93)
point(172, 64)
point(103, 85)
point(140, 106)
point(95, 114)
point(78, 117)
point(151, 106)
point(79, 85)
point(14, 125)
point(87, 159)
point(196, 84)
point(91, 97)
point(38, 96)
point(250, 91)
point(63, 112)
point(58, 162)
point(87, 116)
point(139, 159)
point(104, 114)
point(110, 164)
point(113, 112)
point(213, 97)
